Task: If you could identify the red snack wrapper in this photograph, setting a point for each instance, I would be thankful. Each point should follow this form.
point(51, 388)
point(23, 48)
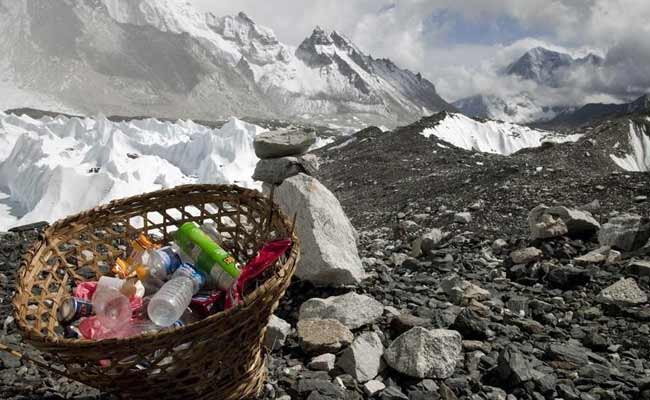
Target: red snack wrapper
point(267, 256)
point(203, 303)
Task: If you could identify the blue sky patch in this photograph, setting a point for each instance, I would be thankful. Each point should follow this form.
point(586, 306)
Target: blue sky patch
point(485, 31)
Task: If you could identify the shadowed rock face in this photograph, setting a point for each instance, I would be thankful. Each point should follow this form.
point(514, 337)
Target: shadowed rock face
point(54, 28)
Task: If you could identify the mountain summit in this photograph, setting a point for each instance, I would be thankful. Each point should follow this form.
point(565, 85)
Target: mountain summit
point(546, 66)
point(162, 57)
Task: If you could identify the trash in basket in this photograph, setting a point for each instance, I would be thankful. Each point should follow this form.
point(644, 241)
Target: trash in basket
point(160, 287)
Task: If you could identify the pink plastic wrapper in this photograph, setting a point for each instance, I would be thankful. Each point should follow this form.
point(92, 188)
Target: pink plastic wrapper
point(267, 256)
point(85, 290)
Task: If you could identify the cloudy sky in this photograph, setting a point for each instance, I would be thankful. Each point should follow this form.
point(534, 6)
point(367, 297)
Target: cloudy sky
point(461, 44)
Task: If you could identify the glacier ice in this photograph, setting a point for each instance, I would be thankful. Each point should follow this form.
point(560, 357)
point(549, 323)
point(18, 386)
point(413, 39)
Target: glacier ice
point(496, 137)
point(54, 167)
point(639, 159)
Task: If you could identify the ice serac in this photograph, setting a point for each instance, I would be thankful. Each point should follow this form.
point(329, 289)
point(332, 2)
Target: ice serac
point(328, 241)
point(638, 159)
point(162, 57)
point(496, 137)
point(55, 167)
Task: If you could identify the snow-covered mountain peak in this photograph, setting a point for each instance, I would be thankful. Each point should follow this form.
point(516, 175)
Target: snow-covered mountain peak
point(539, 65)
point(162, 57)
point(547, 67)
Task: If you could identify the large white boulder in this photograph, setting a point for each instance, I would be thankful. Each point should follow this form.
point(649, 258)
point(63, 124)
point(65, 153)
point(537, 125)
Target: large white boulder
point(328, 241)
point(423, 353)
point(351, 309)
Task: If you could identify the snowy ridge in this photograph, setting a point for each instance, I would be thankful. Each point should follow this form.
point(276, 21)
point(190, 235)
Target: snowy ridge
point(491, 136)
point(639, 159)
point(54, 167)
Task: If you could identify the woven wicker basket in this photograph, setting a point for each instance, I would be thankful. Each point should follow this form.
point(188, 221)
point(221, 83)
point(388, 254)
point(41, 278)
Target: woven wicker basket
point(217, 358)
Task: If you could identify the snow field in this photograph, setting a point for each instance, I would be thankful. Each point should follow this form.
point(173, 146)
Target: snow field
point(496, 137)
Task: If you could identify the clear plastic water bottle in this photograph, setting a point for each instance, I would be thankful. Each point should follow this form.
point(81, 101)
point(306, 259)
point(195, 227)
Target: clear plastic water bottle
point(112, 308)
point(158, 265)
point(175, 296)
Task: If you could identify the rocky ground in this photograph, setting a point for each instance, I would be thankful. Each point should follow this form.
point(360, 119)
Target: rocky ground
point(464, 299)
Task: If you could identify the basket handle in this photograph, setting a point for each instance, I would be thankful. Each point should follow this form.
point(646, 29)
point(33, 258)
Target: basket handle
point(38, 363)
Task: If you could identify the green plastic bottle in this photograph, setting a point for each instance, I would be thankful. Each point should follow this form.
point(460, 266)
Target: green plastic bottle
point(208, 255)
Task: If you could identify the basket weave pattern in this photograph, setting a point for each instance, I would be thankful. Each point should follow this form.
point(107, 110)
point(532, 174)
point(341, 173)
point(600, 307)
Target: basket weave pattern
point(219, 357)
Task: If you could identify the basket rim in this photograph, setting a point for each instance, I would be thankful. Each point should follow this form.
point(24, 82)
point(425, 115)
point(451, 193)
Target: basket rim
point(36, 337)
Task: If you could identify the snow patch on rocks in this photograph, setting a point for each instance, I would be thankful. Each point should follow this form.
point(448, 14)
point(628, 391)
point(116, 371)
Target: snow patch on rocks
point(496, 137)
point(639, 159)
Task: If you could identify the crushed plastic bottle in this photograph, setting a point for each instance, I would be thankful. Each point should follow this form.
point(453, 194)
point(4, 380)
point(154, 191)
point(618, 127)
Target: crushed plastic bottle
point(111, 306)
point(169, 303)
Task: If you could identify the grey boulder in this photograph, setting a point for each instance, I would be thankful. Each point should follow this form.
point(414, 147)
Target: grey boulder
point(562, 221)
point(625, 292)
point(463, 218)
point(352, 310)
point(363, 359)
point(423, 353)
point(318, 336)
point(276, 333)
point(524, 256)
point(324, 362)
point(328, 241)
point(462, 292)
point(625, 232)
point(427, 242)
point(283, 142)
point(276, 170)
